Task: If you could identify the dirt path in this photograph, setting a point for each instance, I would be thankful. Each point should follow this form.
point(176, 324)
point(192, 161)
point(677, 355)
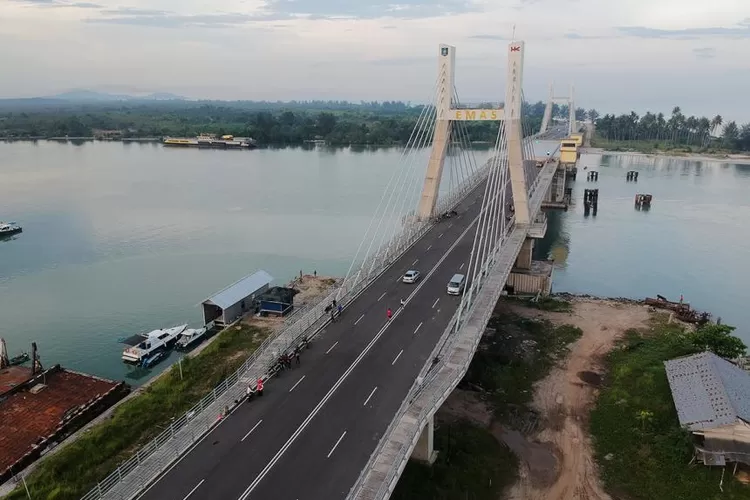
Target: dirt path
point(563, 400)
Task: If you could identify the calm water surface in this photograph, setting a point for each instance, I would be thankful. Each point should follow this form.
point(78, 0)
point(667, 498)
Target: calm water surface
point(123, 238)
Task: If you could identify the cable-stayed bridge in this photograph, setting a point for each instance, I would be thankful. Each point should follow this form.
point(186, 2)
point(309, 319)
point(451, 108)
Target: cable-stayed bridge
point(344, 423)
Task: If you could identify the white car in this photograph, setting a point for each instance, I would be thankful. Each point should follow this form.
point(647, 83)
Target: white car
point(411, 276)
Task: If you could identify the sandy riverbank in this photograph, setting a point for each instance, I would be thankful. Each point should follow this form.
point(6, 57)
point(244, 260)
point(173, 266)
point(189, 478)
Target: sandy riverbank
point(555, 453)
point(737, 159)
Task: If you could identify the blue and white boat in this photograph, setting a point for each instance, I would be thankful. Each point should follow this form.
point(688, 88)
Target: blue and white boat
point(145, 345)
point(9, 228)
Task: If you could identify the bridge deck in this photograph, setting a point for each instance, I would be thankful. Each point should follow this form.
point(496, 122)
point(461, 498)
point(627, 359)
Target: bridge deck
point(278, 446)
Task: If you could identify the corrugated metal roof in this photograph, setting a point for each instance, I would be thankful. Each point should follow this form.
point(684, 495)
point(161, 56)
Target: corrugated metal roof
point(708, 391)
point(243, 288)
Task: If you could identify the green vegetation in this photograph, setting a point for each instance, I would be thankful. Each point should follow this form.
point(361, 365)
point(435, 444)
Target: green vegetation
point(268, 123)
point(642, 450)
point(545, 304)
point(507, 367)
point(471, 465)
point(653, 132)
point(71, 472)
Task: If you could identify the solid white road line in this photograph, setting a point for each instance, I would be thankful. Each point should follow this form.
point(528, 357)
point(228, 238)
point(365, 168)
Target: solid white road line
point(331, 348)
point(193, 490)
point(462, 266)
point(418, 327)
point(335, 445)
point(295, 385)
point(370, 396)
point(397, 356)
point(360, 319)
point(251, 430)
point(415, 262)
point(346, 374)
point(381, 297)
point(435, 303)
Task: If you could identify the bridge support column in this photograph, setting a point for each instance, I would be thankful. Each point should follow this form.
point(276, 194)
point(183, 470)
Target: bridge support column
point(441, 135)
point(572, 127)
point(548, 109)
point(523, 261)
point(514, 132)
point(425, 451)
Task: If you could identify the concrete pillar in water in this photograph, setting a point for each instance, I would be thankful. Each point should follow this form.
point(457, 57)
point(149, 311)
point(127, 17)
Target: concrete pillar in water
point(424, 451)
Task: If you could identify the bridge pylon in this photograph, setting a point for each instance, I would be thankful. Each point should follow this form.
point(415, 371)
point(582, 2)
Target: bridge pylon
point(567, 101)
point(448, 112)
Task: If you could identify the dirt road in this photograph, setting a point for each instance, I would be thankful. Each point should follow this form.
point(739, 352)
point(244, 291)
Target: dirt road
point(559, 464)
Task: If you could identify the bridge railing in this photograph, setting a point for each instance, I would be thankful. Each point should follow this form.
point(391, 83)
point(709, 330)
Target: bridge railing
point(151, 460)
point(431, 389)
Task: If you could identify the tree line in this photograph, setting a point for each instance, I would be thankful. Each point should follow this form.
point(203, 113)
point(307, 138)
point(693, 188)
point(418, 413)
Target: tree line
point(342, 123)
point(676, 130)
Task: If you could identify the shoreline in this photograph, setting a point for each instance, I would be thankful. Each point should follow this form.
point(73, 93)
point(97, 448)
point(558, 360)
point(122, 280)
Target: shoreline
point(313, 288)
point(737, 159)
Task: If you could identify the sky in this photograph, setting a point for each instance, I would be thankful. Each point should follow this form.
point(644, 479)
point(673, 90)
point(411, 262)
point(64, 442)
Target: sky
point(620, 55)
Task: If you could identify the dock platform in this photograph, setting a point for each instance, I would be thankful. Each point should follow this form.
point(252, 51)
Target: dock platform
point(39, 412)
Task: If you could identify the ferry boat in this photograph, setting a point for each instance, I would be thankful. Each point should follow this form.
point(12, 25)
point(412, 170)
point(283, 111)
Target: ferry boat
point(190, 338)
point(145, 345)
point(9, 228)
point(209, 141)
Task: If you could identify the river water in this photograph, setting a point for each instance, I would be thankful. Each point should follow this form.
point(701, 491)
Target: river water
point(121, 238)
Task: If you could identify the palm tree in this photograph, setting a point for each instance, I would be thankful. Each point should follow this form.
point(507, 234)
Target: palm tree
point(716, 124)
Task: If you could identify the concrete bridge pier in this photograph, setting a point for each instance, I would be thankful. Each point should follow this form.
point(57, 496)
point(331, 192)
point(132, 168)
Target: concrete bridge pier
point(523, 261)
point(556, 192)
point(425, 451)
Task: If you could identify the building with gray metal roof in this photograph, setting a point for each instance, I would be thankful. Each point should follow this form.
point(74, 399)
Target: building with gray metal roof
point(235, 300)
point(712, 398)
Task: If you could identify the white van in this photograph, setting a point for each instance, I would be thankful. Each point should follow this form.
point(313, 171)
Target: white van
point(456, 284)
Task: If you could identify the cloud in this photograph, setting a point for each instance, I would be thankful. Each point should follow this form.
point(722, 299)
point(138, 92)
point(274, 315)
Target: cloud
point(372, 9)
point(163, 19)
point(576, 36)
point(490, 37)
point(60, 4)
point(740, 30)
point(705, 52)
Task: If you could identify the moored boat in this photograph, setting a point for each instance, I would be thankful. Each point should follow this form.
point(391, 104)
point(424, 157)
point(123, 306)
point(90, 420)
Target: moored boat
point(144, 345)
point(9, 228)
point(190, 338)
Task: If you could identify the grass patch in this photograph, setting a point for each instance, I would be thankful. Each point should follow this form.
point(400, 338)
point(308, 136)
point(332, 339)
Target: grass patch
point(471, 465)
point(634, 424)
point(521, 351)
point(550, 304)
point(75, 469)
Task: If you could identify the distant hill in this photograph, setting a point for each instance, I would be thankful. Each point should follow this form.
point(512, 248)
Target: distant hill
point(86, 98)
point(91, 96)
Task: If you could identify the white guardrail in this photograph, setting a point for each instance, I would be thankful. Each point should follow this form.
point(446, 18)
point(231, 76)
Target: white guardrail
point(140, 470)
point(441, 375)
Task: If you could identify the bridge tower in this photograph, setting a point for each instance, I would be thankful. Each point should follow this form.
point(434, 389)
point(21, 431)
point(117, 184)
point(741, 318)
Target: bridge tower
point(447, 113)
point(569, 101)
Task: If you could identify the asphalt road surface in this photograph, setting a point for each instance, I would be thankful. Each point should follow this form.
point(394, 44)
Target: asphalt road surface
point(312, 432)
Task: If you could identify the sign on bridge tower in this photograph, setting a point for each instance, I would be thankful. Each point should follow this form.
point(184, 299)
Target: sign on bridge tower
point(447, 113)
